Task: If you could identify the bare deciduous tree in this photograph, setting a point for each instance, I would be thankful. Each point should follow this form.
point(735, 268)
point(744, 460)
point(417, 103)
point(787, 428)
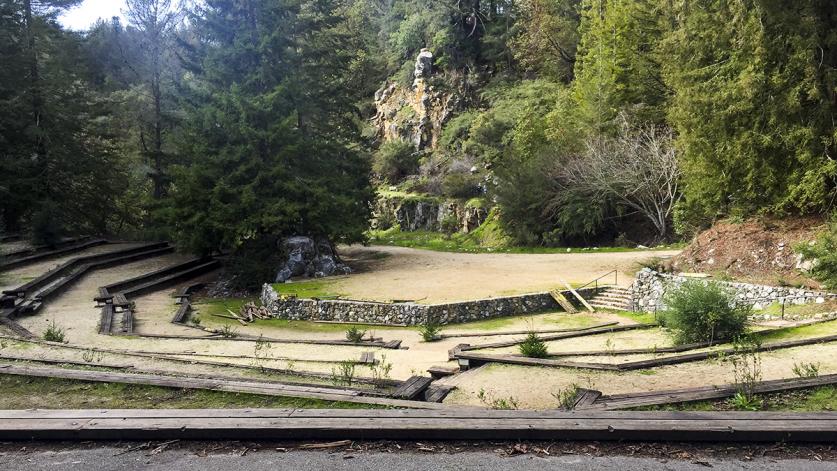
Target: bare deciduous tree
point(638, 168)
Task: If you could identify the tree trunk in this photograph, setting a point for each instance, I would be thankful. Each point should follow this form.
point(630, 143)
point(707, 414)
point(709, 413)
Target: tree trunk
point(37, 100)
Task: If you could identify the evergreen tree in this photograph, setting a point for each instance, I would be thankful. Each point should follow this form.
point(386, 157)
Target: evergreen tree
point(270, 137)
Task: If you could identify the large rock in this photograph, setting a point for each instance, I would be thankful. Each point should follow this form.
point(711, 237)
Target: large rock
point(424, 64)
point(309, 257)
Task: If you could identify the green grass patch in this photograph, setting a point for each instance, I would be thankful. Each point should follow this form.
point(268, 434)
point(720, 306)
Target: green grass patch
point(318, 288)
point(804, 310)
point(407, 196)
point(486, 239)
point(23, 392)
point(815, 330)
point(641, 317)
point(819, 399)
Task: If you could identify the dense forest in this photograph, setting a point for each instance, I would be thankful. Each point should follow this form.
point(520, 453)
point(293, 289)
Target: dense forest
point(226, 124)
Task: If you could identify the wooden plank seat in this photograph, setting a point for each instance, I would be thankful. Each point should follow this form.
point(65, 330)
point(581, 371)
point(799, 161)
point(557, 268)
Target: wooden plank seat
point(412, 388)
point(438, 372)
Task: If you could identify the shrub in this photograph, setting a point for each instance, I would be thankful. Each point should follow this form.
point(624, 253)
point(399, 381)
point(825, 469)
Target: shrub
point(54, 333)
point(704, 311)
point(533, 346)
point(354, 334)
point(344, 373)
point(461, 185)
point(449, 225)
point(395, 160)
point(823, 254)
point(429, 331)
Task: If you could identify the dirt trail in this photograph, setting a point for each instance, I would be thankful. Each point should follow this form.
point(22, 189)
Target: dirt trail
point(387, 273)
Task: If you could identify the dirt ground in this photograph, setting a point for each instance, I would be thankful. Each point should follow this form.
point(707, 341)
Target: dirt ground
point(386, 273)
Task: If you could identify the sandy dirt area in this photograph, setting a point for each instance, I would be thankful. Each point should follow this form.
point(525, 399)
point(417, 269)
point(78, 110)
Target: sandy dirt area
point(386, 273)
point(534, 387)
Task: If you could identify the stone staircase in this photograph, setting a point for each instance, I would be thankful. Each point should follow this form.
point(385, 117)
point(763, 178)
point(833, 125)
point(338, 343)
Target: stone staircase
point(612, 297)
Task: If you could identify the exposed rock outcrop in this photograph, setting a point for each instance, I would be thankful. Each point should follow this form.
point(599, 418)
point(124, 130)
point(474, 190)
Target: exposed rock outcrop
point(426, 214)
point(415, 114)
point(309, 257)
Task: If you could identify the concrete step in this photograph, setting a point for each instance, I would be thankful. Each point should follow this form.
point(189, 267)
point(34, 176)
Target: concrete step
point(615, 306)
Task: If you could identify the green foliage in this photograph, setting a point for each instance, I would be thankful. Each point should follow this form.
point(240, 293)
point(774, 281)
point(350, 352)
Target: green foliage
point(46, 225)
point(461, 185)
point(746, 363)
point(567, 396)
point(449, 225)
point(343, 373)
point(823, 254)
point(533, 346)
point(806, 370)
point(430, 331)
point(54, 333)
point(355, 334)
point(750, 81)
point(395, 160)
point(497, 403)
point(260, 160)
point(700, 311)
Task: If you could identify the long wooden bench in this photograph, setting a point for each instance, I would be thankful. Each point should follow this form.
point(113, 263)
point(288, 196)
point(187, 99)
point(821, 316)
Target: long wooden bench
point(38, 256)
point(464, 424)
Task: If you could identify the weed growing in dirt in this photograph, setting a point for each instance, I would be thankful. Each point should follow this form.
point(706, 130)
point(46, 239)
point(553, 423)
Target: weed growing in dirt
point(380, 371)
point(343, 373)
point(500, 403)
point(91, 355)
point(430, 331)
point(566, 396)
point(54, 333)
point(261, 351)
point(195, 320)
point(806, 370)
point(228, 332)
point(746, 363)
point(610, 346)
point(355, 334)
point(533, 346)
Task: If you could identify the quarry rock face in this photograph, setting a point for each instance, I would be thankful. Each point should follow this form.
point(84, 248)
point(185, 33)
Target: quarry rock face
point(310, 257)
point(416, 113)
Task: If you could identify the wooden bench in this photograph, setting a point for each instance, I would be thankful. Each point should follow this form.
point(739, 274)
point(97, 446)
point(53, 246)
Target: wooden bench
point(438, 372)
point(412, 388)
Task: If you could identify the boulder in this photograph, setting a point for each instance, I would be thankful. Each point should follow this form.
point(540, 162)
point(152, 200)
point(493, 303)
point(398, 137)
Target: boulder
point(310, 257)
point(424, 64)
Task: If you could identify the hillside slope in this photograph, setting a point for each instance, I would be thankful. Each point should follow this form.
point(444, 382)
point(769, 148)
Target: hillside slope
point(757, 250)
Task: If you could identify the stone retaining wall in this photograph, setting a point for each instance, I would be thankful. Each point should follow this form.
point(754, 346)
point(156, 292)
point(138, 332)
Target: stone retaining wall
point(405, 313)
point(649, 288)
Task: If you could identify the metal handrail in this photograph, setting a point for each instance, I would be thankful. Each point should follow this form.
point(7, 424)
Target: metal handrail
point(596, 281)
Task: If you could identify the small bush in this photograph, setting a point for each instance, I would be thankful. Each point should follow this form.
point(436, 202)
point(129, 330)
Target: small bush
point(354, 334)
point(533, 346)
point(449, 225)
point(228, 332)
point(746, 363)
point(566, 397)
point(344, 373)
point(704, 312)
point(54, 333)
point(429, 331)
point(461, 185)
point(823, 254)
point(497, 403)
point(395, 160)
